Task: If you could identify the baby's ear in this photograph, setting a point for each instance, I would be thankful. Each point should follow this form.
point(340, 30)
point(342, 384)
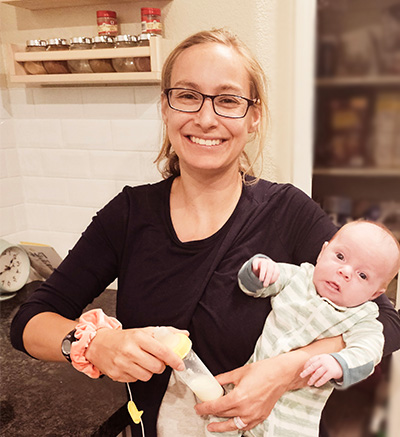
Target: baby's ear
point(377, 293)
point(322, 249)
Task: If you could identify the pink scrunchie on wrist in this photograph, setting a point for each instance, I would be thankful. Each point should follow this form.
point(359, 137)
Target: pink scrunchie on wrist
point(86, 330)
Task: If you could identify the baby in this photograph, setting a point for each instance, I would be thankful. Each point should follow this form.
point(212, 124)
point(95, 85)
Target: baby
point(309, 303)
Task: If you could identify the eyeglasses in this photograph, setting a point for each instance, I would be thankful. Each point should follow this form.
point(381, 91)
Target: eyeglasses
point(225, 105)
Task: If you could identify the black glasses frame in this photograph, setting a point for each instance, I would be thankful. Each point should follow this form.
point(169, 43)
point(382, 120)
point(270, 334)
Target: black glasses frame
point(250, 102)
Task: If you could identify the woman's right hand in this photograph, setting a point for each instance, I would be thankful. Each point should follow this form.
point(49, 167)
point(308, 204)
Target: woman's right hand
point(129, 355)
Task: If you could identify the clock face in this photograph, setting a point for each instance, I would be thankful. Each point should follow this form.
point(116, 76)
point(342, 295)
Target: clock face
point(14, 269)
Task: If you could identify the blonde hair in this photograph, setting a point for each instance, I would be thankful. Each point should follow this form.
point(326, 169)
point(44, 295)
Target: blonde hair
point(167, 161)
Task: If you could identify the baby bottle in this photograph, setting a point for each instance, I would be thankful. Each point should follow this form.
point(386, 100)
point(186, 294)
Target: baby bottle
point(196, 375)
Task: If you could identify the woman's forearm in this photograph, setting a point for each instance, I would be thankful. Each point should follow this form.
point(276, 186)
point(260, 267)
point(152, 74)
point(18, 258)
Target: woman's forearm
point(296, 359)
point(43, 335)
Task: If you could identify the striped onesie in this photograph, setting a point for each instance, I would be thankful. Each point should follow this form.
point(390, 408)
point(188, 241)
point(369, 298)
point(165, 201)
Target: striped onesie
point(300, 316)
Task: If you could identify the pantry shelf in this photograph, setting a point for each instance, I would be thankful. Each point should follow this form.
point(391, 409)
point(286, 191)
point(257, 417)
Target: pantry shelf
point(358, 172)
point(351, 81)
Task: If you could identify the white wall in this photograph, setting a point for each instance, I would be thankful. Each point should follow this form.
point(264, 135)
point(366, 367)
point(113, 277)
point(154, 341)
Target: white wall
point(65, 151)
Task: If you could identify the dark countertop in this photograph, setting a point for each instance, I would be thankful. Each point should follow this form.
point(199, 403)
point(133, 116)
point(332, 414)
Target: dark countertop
point(53, 399)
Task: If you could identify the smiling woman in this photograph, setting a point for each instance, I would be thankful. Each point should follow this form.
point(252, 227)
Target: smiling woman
point(246, 83)
point(201, 78)
point(176, 247)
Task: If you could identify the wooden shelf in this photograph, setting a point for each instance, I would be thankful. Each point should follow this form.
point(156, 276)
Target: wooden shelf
point(35, 5)
point(18, 74)
point(90, 78)
point(358, 172)
point(353, 81)
point(66, 55)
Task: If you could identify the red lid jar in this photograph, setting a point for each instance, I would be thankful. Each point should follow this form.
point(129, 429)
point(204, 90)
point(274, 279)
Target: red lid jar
point(107, 23)
point(151, 21)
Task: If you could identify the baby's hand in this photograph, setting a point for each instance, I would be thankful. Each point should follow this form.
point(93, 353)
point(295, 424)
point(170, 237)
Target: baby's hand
point(323, 368)
point(266, 270)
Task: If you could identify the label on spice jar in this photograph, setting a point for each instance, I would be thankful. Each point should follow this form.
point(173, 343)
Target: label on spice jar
point(107, 29)
point(152, 27)
point(107, 23)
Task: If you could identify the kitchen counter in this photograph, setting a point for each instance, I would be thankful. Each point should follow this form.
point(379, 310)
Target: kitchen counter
point(53, 399)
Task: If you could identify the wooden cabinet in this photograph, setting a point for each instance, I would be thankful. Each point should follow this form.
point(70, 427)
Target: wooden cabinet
point(357, 118)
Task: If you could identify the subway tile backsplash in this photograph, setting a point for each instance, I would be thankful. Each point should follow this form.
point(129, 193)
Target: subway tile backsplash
point(66, 151)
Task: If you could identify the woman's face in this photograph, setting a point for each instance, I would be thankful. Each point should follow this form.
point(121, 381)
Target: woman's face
point(205, 141)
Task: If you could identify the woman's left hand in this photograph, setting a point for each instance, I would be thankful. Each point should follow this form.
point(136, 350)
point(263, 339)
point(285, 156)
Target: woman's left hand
point(259, 385)
point(257, 388)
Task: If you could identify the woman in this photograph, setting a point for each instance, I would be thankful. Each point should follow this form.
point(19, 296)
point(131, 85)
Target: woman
point(176, 247)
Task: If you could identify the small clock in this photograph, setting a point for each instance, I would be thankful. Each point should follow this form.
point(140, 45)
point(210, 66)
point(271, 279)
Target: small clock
point(14, 268)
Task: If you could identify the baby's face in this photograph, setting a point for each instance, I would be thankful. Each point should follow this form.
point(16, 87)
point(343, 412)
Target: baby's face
point(352, 268)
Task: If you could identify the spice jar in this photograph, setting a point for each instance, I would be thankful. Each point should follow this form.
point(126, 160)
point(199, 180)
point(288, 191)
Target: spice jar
point(125, 64)
point(143, 63)
point(102, 65)
point(107, 23)
point(56, 67)
point(80, 65)
point(151, 21)
point(35, 67)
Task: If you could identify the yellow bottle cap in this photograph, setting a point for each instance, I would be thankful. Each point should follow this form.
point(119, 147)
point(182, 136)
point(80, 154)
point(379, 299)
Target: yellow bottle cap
point(183, 346)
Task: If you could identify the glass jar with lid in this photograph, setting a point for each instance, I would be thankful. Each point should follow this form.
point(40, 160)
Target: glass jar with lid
point(102, 65)
point(143, 63)
point(80, 65)
point(126, 64)
point(56, 67)
point(35, 67)
point(151, 21)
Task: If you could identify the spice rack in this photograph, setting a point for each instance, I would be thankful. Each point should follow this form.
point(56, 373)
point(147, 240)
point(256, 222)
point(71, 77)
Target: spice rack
point(157, 47)
point(35, 5)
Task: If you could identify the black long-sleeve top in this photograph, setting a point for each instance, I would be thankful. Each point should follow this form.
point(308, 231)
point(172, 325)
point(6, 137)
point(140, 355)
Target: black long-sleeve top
point(191, 285)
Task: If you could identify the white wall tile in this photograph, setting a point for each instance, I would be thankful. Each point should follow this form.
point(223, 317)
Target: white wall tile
point(69, 218)
point(108, 103)
point(3, 163)
point(28, 133)
point(12, 220)
point(20, 219)
point(12, 159)
point(59, 103)
point(149, 169)
point(5, 107)
point(89, 192)
point(42, 133)
point(46, 190)
point(65, 163)
point(37, 217)
point(147, 100)
point(11, 191)
point(68, 151)
point(50, 133)
point(9, 163)
point(113, 165)
point(138, 135)
point(7, 221)
point(21, 102)
point(30, 162)
point(87, 134)
point(7, 134)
